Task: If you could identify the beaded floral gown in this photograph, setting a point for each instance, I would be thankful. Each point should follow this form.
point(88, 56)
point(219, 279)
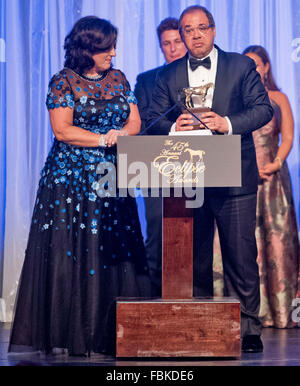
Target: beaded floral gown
point(85, 246)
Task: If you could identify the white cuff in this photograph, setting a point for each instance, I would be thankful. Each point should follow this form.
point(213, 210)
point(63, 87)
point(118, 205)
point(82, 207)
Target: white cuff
point(173, 128)
point(229, 126)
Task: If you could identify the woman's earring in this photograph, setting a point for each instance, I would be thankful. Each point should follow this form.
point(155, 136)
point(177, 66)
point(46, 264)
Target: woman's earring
point(265, 78)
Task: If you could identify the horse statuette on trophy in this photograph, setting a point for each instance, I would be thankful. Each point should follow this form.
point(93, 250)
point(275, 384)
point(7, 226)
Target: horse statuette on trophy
point(200, 92)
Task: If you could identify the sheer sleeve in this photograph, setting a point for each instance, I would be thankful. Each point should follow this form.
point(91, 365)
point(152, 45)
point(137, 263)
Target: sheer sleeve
point(59, 93)
point(127, 90)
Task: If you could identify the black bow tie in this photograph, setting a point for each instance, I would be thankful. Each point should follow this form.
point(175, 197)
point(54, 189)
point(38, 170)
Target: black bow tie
point(195, 63)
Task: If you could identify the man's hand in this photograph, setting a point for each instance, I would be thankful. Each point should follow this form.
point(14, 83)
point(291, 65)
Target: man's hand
point(215, 122)
point(184, 122)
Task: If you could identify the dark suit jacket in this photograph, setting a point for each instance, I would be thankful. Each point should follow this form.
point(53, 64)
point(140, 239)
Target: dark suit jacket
point(239, 94)
point(143, 90)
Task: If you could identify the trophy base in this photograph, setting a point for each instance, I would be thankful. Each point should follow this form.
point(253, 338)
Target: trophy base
point(198, 111)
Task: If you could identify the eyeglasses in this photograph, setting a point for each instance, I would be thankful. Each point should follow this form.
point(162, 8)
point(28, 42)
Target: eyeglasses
point(202, 29)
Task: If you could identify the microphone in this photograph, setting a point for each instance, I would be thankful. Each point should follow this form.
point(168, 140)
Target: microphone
point(160, 117)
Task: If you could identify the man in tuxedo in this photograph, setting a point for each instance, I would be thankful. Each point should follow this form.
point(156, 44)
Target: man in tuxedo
point(172, 48)
point(239, 105)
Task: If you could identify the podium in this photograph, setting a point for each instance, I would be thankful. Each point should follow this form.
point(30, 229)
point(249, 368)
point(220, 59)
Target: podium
point(178, 324)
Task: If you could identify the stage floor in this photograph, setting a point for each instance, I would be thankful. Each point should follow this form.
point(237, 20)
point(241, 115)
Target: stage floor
point(281, 348)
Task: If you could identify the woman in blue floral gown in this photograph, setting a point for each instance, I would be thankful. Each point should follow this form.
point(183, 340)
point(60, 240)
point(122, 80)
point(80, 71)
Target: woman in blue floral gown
point(85, 245)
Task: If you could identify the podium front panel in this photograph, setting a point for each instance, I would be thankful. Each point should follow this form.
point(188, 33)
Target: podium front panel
point(179, 161)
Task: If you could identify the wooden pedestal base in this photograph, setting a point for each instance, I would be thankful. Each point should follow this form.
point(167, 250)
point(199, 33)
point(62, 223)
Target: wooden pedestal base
point(178, 328)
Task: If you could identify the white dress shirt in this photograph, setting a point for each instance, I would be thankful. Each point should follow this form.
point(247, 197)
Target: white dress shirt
point(202, 76)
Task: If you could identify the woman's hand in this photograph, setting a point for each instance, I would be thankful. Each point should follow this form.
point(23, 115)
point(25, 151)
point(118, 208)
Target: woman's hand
point(111, 137)
point(270, 168)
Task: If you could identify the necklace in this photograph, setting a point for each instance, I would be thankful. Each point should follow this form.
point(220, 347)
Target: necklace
point(99, 76)
point(95, 77)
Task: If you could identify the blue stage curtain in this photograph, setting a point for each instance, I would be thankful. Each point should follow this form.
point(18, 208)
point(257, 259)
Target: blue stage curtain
point(32, 34)
point(2, 139)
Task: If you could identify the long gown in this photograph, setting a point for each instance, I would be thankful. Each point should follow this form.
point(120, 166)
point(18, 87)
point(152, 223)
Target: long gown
point(276, 234)
point(85, 246)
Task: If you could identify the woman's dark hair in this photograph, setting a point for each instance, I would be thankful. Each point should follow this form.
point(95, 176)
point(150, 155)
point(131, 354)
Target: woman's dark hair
point(269, 80)
point(89, 36)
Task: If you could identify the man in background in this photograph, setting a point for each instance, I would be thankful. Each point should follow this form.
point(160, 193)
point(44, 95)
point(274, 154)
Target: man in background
point(172, 48)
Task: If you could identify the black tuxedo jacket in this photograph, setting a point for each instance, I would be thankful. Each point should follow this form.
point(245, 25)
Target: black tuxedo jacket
point(143, 91)
point(239, 94)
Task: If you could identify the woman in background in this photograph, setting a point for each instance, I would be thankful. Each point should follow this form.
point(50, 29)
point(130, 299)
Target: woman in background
point(276, 227)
